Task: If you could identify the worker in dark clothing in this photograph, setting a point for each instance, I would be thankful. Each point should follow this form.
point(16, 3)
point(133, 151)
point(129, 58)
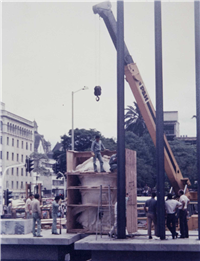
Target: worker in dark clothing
point(151, 213)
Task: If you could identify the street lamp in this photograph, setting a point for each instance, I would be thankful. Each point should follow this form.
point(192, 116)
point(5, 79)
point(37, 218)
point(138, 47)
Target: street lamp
point(60, 175)
point(84, 88)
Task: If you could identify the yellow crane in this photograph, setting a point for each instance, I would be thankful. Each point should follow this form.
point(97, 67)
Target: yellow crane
point(142, 97)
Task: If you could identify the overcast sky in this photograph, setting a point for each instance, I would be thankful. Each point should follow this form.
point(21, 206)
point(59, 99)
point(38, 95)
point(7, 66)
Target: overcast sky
point(51, 49)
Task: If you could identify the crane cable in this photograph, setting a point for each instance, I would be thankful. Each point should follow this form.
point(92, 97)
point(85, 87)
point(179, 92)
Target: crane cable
point(97, 51)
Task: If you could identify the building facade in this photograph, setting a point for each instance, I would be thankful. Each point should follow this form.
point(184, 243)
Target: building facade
point(17, 143)
point(171, 124)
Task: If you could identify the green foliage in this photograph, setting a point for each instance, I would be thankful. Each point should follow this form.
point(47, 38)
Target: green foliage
point(186, 157)
point(146, 165)
point(82, 142)
point(134, 121)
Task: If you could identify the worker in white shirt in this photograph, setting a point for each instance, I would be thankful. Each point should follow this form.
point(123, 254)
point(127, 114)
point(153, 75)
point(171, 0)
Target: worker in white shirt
point(170, 206)
point(28, 206)
point(36, 215)
point(184, 200)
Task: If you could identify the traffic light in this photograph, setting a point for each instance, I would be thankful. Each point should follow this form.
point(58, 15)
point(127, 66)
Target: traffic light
point(8, 196)
point(56, 168)
point(29, 165)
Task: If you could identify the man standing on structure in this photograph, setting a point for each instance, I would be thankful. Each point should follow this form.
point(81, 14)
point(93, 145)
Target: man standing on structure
point(151, 213)
point(184, 200)
point(28, 206)
point(55, 205)
point(171, 205)
point(36, 215)
point(96, 148)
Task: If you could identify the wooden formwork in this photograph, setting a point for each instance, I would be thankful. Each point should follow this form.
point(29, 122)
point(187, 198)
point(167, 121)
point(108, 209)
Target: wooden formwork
point(74, 199)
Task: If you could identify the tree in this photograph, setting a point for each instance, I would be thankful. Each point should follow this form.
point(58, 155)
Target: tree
point(134, 121)
point(82, 142)
point(186, 157)
point(146, 164)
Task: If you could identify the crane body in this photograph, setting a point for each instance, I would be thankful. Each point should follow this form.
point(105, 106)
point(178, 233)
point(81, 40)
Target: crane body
point(143, 100)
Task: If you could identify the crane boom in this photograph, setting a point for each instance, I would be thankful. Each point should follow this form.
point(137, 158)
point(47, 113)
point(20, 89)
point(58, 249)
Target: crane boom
point(142, 97)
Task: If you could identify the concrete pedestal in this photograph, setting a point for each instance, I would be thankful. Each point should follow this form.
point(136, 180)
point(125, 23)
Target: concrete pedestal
point(141, 248)
point(16, 226)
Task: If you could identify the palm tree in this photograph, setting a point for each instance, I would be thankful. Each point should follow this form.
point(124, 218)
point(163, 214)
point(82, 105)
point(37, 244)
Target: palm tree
point(134, 121)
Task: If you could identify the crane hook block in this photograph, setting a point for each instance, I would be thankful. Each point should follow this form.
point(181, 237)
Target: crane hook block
point(97, 92)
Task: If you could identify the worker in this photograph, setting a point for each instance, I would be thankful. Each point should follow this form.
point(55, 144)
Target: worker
point(36, 215)
point(55, 205)
point(96, 148)
point(151, 213)
point(113, 162)
point(28, 206)
point(184, 200)
point(170, 206)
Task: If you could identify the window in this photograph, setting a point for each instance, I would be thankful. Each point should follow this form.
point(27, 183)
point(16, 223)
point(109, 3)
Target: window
point(1, 125)
point(22, 172)
point(13, 141)
point(22, 158)
point(12, 171)
point(17, 185)
point(30, 146)
point(17, 143)
point(22, 144)
point(17, 171)
point(1, 155)
point(17, 157)
point(7, 157)
point(8, 127)
point(7, 140)
point(12, 184)
point(21, 184)
point(7, 184)
point(12, 156)
point(1, 140)
point(7, 171)
point(26, 145)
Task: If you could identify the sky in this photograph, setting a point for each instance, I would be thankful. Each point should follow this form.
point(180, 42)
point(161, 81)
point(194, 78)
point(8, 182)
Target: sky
point(50, 49)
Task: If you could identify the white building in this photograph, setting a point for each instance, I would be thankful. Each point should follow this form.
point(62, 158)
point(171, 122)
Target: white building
point(17, 142)
point(171, 124)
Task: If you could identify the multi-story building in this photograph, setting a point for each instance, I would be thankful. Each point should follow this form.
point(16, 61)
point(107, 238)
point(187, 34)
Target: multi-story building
point(17, 142)
point(171, 124)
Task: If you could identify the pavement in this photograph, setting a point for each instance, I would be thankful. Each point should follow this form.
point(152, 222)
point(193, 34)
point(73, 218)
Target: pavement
point(140, 242)
point(47, 239)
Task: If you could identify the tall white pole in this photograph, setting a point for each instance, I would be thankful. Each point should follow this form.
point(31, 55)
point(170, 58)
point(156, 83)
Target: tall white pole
point(2, 183)
point(72, 121)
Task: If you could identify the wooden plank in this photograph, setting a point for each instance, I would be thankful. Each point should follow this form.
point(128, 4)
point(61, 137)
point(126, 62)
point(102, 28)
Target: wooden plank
point(80, 187)
point(131, 189)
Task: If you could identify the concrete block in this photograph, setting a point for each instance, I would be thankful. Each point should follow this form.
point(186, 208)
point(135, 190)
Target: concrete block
point(16, 226)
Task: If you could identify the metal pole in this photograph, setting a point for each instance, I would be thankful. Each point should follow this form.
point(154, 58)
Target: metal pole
point(64, 187)
point(121, 216)
point(197, 62)
point(2, 181)
point(159, 122)
point(72, 121)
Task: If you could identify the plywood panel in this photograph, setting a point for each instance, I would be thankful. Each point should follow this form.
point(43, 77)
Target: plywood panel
point(131, 189)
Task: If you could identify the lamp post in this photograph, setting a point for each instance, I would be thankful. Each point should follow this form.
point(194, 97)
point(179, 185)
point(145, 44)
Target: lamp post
point(84, 88)
point(59, 175)
point(2, 182)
